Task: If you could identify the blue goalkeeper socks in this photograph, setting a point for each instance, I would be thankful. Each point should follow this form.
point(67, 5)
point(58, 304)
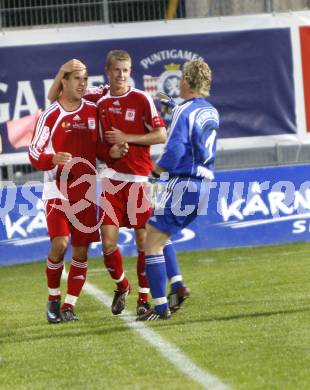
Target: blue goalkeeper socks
point(172, 267)
point(155, 269)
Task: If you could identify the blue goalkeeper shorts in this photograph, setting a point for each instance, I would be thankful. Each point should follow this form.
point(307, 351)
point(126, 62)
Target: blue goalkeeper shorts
point(178, 204)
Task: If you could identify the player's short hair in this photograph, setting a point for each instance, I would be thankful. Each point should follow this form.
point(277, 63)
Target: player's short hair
point(198, 75)
point(116, 55)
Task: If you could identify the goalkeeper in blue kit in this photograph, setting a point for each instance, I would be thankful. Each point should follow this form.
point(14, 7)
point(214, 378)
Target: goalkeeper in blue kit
point(188, 158)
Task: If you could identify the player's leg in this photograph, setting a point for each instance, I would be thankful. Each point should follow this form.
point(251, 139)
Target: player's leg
point(175, 218)
point(55, 265)
point(178, 290)
point(138, 213)
point(155, 268)
point(143, 288)
point(54, 268)
point(83, 232)
point(75, 282)
point(58, 230)
point(114, 263)
point(113, 211)
point(167, 219)
point(172, 265)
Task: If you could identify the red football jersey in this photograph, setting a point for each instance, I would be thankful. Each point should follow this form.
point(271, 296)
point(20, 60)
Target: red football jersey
point(75, 132)
point(133, 113)
point(93, 93)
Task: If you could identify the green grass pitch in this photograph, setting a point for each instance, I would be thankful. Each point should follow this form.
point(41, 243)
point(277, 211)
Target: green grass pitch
point(247, 322)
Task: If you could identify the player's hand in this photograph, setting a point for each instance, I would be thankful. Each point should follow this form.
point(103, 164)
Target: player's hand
point(115, 136)
point(72, 66)
point(62, 158)
point(119, 150)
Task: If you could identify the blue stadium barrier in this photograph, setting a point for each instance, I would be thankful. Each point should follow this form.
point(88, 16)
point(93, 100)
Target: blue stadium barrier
point(244, 208)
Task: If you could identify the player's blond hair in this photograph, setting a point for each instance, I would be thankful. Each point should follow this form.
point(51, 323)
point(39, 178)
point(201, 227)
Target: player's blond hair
point(198, 75)
point(117, 55)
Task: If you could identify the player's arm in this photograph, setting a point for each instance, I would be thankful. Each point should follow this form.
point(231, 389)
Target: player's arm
point(38, 155)
point(106, 152)
point(157, 135)
point(68, 67)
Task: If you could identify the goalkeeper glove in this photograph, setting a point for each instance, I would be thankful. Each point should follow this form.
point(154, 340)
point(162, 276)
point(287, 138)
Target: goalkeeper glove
point(153, 178)
point(153, 188)
point(167, 103)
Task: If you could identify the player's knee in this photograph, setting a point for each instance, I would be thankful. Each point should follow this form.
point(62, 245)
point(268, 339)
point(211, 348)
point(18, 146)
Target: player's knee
point(80, 253)
point(109, 236)
point(109, 245)
point(59, 247)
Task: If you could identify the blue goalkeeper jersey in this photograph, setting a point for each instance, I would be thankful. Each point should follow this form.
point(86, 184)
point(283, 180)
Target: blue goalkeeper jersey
point(191, 145)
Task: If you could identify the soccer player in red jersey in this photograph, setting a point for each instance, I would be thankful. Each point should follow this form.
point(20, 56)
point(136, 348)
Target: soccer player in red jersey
point(127, 115)
point(65, 146)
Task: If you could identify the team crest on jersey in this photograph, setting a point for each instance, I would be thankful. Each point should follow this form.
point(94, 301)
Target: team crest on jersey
point(130, 114)
point(91, 123)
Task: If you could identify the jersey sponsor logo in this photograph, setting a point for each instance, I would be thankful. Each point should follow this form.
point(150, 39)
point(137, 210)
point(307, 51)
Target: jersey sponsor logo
point(91, 123)
point(115, 110)
point(79, 126)
point(130, 114)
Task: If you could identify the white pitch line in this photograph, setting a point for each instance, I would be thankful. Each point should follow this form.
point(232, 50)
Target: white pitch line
point(168, 350)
